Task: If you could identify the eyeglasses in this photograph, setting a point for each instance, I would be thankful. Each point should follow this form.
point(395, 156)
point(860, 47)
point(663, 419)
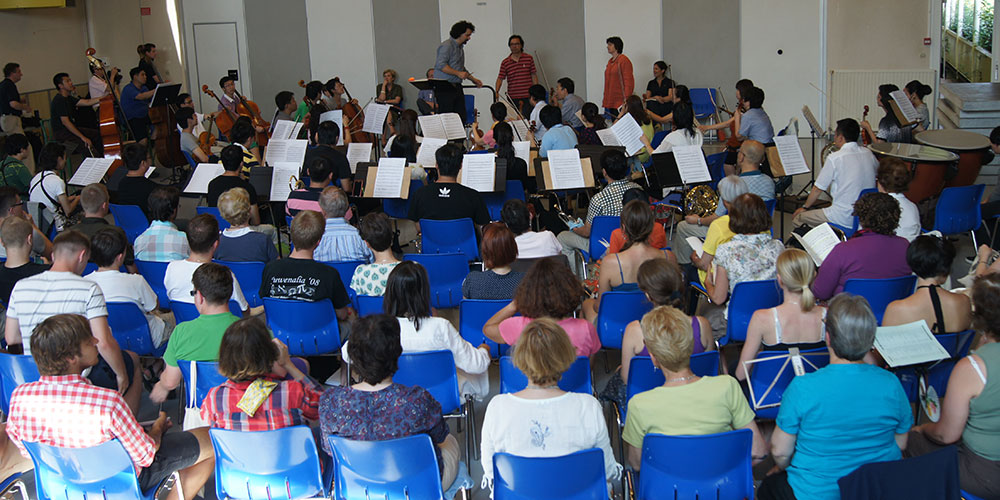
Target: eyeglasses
point(193, 292)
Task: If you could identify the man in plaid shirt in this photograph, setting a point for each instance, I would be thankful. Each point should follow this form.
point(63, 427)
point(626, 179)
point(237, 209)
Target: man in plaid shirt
point(162, 242)
point(63, 409)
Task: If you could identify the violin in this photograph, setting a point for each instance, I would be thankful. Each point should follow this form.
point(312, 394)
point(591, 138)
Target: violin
point(354, 120)
point(224, 121)
point(245, 107)
point(866, 138)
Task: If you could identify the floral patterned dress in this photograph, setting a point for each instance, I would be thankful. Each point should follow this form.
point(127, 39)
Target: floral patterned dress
point(749, 257)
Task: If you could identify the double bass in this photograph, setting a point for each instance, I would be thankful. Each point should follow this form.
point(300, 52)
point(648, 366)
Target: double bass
point(106, 117)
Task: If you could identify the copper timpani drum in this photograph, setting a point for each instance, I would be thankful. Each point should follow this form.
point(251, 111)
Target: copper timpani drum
point(929, 166)
point(970, 147)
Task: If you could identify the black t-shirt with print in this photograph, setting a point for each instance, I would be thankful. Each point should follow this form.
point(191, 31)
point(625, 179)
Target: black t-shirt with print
point(303, 279)
point(448, 201)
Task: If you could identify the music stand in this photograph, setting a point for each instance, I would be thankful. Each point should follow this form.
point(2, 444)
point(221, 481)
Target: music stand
point(164, 93)
point(795, 359)
point(814, 132)
point(499, 176)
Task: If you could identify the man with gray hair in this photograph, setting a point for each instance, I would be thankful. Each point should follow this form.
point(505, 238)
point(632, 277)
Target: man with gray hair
point(341, 241)
point(715, 233)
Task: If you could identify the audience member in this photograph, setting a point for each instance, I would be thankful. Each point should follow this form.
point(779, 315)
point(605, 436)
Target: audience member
point(893, 177)
point(203, 238)
point(341, 241)
point(370, 279)
point(63, 409)
point(16, 236)
point(839, 417)
point(718, 231)
point(944, 311)
point(873, 252)
point(94, 200)
point(657, 238)
point(686, 404)
point(13, 171)
point(549, 290)
point(446, 199)
point(135, 187)
point(239, 242)
point(12, 206)
point(162, 241)
point(338, 166)
point(49, 189)
point(542, 420)
point(530, 244)
point(497, 281)
point(307, 198)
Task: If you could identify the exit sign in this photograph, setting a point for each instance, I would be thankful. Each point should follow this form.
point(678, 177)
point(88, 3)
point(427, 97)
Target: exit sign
point(145, 11)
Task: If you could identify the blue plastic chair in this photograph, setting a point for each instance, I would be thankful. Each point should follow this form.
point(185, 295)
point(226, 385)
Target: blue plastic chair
point(616, 311)
point(214, 212)
point(937, 375)
point(969, 496)
point(446, 272)
point(658, 138)
point(242, 472)
point(395, 468)
point(131, 329)
point(346, 271)
point(575, 379)
point(770, 204)
point(190, 159)
point(703, 102)
point(308, 328)
point(131, 219)
point(399, 208)
point(746, 298)
point(208, 377)
point(15, 369)
point(470, 108)
point(449, 236)
point(880, 292)
point(958, 210)
point(600, 229)
point(186, 311)
point(472, 315)
point(716, 168)
point(369, 304)
point(642, 376)
point(849, 231)
point(714, 466)
point(249, 276)
point(154, 272)
point(766, 397)
point(577, 476)
point(103, 472)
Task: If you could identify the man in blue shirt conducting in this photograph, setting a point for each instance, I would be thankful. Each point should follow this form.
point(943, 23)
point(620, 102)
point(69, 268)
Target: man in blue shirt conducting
point(135, 105)
point(450, 65)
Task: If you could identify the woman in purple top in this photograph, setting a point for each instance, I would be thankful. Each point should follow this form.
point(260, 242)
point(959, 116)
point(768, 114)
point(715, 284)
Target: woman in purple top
point(376, 408)
point(874, 252)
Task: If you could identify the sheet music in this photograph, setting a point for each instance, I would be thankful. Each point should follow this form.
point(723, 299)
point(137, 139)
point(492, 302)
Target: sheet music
point(202, 175)
point(285, 150)
point(813, 122)
point(389, 177)
point(520, 129)
point(425, 154)
point(905, 106)
point(629, 134)
point(431, 126)
point(149, 172)
point(691, 164)
point(791, 155)
point(564, 165)
point(479, 172)
point(696, 244)
point(91, 171)
point(281, 179)
point(909, 344)
point(819, 242)
point(298, 128)
point(522, 150)
point(282, 129)
point(453, 127)
point(358, 152)
point(375, 114)
point(608, 137)
point(335, 116)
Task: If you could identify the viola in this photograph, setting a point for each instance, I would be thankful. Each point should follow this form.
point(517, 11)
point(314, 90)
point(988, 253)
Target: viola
point(225, 120)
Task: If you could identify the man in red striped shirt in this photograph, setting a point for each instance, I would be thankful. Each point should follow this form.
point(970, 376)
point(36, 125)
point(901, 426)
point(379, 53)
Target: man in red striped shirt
point(519, 70)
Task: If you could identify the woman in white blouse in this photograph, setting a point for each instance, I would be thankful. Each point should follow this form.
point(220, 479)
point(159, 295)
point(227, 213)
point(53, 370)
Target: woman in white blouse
point(542, 420)
point(408, 298)
point(685, 133)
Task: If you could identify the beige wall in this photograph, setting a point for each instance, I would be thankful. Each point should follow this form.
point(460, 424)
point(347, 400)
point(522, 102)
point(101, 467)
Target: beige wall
point(45, 42)
point(884, 34)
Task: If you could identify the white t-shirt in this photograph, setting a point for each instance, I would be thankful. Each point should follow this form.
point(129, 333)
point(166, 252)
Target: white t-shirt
point(97, 88)
point(539, 128)
point(46, 182)
point(544, 428)
point(39, 297)
point(680, 138)
point(177, 281)
point(124, 287)
point(845, 173)
point(532, 245)
point(909, 217)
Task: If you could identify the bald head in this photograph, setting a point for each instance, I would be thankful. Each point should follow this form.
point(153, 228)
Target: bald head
point(753, 153)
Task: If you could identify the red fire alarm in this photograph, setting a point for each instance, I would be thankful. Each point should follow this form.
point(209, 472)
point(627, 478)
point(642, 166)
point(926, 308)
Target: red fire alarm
point(145, 11)
point(927, 40)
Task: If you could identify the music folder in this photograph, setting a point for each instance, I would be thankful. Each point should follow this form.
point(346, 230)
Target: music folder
point(665, 168)
point(369, 183)
point(545, 179)
point(260, 179)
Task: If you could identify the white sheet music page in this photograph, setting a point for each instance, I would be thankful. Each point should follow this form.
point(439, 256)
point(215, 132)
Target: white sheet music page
point(432, 126)
point(813, 122)
point(479, 172)
point(389, 177)
point(149, 172)
point(276, 150)
point(425, 154)
point(520, 129)
point(905, 106)
point(522, 150)
point(335, 116)
point(281, 180)
point(453, 127)
point(608, 137)
point(375, 114)
point(282, 129)
point(791, 155)
point(566, 170)
point(202, 175)
point(696, 244)
point(298, 128)
point(819, 242)
point(909, 344)
point(91, 171)
point(691, 164)
point(358, 152)
point(629, 134)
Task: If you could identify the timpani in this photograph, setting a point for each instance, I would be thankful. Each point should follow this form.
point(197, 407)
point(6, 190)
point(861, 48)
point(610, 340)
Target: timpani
point(929, 165)
point(970, 147)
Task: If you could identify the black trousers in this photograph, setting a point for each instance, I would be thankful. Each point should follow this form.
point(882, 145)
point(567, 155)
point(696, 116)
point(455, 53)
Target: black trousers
point(451, 99)
point(775, 487)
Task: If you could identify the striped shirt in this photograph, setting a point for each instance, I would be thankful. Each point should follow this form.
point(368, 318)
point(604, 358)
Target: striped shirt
point(162, 242)
point(39, 297)
point(341, 242)
point(303, 199)
point(290, 403)
point(518, 75)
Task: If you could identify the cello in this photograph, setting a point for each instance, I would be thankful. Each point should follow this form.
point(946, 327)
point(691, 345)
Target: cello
point(107, 120)
point(354, 119)
point(225, 120)
point(245, 107)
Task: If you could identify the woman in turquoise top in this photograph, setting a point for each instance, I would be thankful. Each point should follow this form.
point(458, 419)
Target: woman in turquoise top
point(970, 415)
point(839, 417)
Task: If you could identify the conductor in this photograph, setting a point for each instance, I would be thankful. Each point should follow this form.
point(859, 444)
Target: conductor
point(450, 65)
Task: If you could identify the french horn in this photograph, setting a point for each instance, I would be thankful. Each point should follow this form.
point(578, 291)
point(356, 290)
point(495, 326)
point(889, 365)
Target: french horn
point(827, 150)
point(701, 200)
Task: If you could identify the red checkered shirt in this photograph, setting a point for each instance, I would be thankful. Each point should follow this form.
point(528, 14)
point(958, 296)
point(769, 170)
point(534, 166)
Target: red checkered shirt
point(67, 411)
point(290, 403)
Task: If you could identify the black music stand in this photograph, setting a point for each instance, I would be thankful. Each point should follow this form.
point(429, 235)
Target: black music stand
point(165, 93)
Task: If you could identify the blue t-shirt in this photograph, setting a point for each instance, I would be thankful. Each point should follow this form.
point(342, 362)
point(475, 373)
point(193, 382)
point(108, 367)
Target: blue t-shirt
point(756, 125)
point(843, 416)
point(132, 107)
point(558, 137)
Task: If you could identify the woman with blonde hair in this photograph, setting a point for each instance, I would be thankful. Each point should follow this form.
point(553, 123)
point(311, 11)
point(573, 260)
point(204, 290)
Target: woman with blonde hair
point(542, 420)
point(239, 242)
point(797, 322)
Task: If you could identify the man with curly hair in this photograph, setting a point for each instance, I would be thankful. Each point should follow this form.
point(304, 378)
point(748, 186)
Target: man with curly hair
point(873, 252)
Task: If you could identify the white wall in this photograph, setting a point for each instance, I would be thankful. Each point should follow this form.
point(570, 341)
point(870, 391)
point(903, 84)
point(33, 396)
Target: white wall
point(342, 43)
point(215, 11)
point(45, 42)
point(637, 23)
point(488, 45)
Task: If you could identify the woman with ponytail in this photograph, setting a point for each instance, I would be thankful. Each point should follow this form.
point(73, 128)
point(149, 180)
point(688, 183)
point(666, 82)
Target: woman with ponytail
point(797, 322)
point(916, 92)
point(147, 54)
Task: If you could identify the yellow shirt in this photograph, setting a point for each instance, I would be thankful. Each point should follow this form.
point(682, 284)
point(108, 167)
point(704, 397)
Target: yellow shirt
point(718, 233)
